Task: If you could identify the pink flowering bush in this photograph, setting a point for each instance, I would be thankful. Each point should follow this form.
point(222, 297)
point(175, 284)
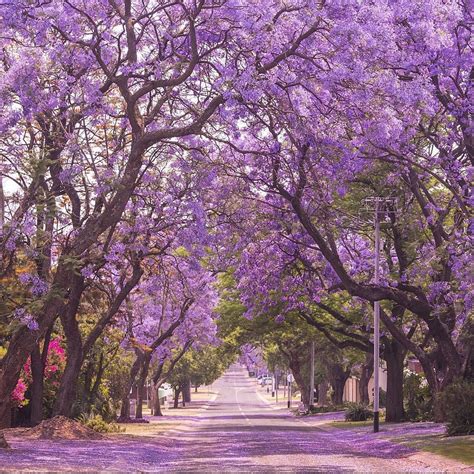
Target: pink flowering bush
point(54, 367)
point(18, 395)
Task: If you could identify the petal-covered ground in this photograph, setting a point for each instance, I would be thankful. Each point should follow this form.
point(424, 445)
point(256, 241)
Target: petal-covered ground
point(238, 431)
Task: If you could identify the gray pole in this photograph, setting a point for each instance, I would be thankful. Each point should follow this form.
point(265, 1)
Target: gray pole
point(311, 378)
point(289, 394)
point(276, 387)
point(377, 319)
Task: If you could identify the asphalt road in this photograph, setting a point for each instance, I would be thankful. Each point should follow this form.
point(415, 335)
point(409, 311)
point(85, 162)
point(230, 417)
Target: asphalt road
point(241, 432)
point(238, 431)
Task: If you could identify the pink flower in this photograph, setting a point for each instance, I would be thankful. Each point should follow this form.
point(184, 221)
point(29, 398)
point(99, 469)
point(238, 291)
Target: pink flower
point(18, 394)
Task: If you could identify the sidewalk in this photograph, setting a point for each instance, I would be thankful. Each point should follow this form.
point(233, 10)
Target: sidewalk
point(172, 418)
point(282, 397)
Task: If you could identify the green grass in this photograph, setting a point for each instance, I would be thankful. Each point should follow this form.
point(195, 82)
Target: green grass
point(347, 425)
point(459, 448)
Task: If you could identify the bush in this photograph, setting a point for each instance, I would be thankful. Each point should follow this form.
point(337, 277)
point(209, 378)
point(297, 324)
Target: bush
point(456, 404)
point(324, 409)
point(418, 401)
point(358, 412)
point(97, 423)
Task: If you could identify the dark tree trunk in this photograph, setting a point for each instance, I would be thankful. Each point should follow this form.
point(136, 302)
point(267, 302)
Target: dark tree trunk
point(394, 355)
point(94, 389)
point(68, 389)
point(74, 354)
point(338, 391)
point(295, 366)
point(141, 386)
point(338, 378)
point(366, 372)
point(177, 391)
point(323, 393)
point(37, 385)
point(125, 408)
point(187, 391)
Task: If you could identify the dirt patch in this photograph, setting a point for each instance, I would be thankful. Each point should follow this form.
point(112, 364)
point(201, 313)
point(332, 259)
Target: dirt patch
point(61, 427)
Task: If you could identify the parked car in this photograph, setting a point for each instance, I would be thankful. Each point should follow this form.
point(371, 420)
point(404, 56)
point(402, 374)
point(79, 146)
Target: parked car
point(167, 389)
point(266, 381)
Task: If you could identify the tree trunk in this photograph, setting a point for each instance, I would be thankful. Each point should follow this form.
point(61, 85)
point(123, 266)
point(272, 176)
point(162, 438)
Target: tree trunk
point(295, 367)
point(94, 389)
point(141, 386)
point(323, 393)
point(176, 397)
point(187, 391)
point(338, 391)
point(21, 344)
point(156, 401)
point(338, 378)
point(394, 355)
point(74, 354)
point(125, 408)
point(366, 372)
point(37, 385)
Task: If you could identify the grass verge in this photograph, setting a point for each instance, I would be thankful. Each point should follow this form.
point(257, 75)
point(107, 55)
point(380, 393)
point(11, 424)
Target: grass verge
point(459, 448)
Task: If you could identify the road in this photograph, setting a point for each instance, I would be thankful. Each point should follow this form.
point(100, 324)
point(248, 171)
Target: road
point(238, 431)
point(242, 432)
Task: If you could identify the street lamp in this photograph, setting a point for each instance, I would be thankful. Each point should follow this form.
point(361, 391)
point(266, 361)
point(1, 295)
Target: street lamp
point(380, 205)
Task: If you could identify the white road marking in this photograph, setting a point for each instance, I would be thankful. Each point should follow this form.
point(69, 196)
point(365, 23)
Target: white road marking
point(238, 404)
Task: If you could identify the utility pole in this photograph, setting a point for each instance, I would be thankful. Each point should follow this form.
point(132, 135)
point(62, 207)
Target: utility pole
point(311, 377)
point(377, 321)
point(380, 205)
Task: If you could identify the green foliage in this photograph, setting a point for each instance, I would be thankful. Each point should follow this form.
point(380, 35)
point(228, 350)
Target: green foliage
point(417, 397)
point(456, 403)
point(324, 409)
point(357, 412)
point(97, 423)
point(202, 366)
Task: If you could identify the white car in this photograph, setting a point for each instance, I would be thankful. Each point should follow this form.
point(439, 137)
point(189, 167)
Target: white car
point(168, 389)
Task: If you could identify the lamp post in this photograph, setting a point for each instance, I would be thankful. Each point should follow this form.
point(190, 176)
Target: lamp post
point(379, 205)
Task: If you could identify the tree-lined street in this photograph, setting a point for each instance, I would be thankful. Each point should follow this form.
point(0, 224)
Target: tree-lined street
point(186, 185)
point(236, 430)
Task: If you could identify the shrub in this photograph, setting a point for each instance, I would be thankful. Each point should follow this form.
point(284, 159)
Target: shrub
point(326, 408)
point(358, 412)
point(97, 423)
point(417, 397)
point(456, 404)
